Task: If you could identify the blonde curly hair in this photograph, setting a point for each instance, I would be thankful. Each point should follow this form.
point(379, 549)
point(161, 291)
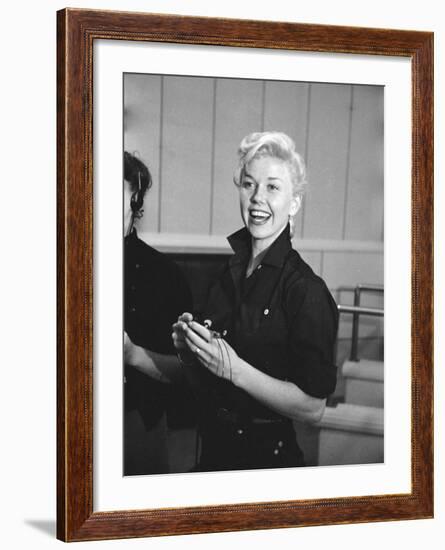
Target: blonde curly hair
point(275, 145)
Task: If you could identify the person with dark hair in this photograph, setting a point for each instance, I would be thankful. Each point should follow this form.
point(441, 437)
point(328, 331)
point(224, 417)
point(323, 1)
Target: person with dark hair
point(137, 181)
point(262, 355)
point(155, 293)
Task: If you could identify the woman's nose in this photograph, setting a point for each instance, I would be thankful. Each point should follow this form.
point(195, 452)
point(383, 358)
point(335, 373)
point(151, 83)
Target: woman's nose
point(258, 195)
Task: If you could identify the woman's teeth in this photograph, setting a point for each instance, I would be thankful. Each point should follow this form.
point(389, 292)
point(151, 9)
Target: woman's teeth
point(258, 215)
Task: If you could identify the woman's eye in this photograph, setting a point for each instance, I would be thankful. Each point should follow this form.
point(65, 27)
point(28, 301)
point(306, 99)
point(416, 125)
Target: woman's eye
point(272, 187)
point(247, 184)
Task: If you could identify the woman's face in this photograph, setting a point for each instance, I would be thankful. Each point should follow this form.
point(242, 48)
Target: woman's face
point(266, 199)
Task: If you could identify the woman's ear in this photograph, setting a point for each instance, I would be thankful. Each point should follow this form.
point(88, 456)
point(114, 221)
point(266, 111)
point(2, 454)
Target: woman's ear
point(295, 205)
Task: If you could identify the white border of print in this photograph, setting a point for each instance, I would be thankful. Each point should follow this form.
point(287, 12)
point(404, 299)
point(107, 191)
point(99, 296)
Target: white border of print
point(111, 490)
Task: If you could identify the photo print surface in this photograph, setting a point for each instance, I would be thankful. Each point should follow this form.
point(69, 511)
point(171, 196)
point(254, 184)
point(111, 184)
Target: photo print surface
point(253, 274)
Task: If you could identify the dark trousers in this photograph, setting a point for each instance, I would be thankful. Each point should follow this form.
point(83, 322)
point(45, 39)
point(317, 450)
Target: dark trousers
point(246, 446)
point(145, 449)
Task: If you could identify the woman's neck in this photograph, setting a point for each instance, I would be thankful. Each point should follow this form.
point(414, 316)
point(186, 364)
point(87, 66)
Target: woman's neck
point(258, 251)
point(255, 259)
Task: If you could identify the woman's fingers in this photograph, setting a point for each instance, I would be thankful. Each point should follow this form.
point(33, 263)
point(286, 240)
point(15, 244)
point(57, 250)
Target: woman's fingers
point(179, 342)
point(186, 317)
point(195, 341)
point(201, 330)
point(200, 352)
point(128, 347)
point(180, 329)
point(177, 328)
point(207, 350)
point(180, 326)
point(178, 335)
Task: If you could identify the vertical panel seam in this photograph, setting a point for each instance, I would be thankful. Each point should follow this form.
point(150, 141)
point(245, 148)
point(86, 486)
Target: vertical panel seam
point(212, 159)
point(306, 149)
point(161, 138)
point(348, 163)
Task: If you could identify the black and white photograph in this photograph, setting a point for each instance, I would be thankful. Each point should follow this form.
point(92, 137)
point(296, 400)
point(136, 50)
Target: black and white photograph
point(223, 285)
point(253, 246)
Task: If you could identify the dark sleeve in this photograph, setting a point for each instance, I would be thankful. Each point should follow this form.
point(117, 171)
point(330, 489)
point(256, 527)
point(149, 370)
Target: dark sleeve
point(177, 301)
point(181, 296)
point(313, 323)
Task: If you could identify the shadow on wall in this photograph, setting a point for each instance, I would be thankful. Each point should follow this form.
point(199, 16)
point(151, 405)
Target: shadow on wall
point(47, 526)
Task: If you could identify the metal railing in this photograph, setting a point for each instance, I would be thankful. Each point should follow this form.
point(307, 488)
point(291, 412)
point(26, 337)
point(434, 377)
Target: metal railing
point(356, 310)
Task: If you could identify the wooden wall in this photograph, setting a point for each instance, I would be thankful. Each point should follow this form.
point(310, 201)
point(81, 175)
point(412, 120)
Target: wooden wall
point(187, 130)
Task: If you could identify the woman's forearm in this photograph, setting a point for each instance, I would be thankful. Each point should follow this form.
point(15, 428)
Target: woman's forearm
point(283, 397)
point(163, 368)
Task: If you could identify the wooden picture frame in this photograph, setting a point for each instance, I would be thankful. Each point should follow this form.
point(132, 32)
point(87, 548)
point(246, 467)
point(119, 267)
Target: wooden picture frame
point(77, 31)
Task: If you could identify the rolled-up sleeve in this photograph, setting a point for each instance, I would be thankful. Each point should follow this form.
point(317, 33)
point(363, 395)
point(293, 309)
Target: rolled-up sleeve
point(313, 324)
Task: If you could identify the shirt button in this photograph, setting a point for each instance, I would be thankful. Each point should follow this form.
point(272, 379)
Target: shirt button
point(132, 309)
point(224, 332)
point(266, 312)
point(240, 432)
point(276, 451)
point(259, 267)
point(137, 266)
point(280, 443)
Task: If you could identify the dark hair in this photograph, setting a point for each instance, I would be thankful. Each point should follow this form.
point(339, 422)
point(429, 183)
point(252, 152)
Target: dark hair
point(139, 178)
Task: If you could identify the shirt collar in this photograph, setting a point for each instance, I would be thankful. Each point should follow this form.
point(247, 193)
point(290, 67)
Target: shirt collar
point(241, 243)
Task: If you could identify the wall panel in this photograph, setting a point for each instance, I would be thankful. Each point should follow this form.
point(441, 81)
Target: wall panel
point(285, 110)
point(186, 154)
point(351, 268)
point(239, 111)
point(364, 212)
point(327, 159)
point(142, 119)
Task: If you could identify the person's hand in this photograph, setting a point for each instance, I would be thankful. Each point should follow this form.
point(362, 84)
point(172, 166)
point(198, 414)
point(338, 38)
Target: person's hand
point(215, 354)
point(129, 348)
point(179, 338)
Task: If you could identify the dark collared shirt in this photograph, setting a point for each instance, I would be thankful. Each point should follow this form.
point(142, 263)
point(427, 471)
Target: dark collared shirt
point(155, 294)
point(282, 320)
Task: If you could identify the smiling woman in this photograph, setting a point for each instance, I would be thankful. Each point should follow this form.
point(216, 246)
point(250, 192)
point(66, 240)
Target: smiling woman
point(264, 356)
point(271, 180)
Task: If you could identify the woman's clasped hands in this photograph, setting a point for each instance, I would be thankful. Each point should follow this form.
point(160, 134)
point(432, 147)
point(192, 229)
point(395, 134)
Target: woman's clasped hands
point(195, 341)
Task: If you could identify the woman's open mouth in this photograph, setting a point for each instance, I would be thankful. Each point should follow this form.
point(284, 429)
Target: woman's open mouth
point(258, 217)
